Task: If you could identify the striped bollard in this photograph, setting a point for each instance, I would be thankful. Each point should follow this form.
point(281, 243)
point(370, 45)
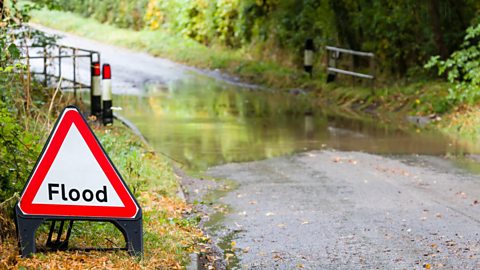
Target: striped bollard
point(96, 91)
point(308, 56)
point(107, 95)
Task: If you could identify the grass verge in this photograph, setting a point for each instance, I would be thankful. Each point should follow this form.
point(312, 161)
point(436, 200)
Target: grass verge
point(168, 45)
point(168, 236)
point(463, 125)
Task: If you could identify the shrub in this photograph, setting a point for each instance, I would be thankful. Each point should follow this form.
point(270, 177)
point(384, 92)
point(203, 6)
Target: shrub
point(18, 151)
point(462, 69)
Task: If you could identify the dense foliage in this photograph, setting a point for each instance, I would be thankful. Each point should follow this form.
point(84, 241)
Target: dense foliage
point(16, 153)
point(462, 69)
point(19, 117)
point(403, 34)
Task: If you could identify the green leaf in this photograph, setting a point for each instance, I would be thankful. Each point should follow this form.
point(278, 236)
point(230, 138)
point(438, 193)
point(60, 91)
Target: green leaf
point(14, 51)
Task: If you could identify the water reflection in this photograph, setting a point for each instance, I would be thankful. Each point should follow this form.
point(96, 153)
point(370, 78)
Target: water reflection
point(203, 122)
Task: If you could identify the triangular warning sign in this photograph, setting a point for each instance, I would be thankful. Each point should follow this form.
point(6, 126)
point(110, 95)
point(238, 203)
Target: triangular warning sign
point(74, 177)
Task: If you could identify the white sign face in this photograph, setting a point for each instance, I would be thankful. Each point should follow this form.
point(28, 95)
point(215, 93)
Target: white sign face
point(75, 177)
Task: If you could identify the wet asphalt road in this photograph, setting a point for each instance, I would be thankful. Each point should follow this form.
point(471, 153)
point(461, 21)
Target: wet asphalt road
point(131, 70)
point(350, 210)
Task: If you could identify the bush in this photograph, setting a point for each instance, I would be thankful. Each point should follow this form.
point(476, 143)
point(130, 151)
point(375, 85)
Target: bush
point(18, 151)
point(402, 34)
point(19, 118)
point(462, 69)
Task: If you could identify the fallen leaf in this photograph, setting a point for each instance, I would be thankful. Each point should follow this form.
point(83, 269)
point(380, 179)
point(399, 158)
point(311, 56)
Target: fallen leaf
point(229, 256)
point(461, 194)
point(450, 243)
point(277, 257)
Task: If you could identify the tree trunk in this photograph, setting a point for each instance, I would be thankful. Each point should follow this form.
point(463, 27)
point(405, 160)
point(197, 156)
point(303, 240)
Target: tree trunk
point(343, 24)
point(457, 5)
point(436, 28)
point(2, 12)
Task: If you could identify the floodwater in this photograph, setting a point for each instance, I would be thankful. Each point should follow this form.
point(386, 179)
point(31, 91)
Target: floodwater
point(198, 119)
point(201, 122)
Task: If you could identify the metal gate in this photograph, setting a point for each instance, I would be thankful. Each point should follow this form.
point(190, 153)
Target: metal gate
point(334, 65)
point(65, 67)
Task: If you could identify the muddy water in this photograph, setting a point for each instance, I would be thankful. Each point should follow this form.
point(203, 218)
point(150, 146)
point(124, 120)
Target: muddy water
point(201, 122)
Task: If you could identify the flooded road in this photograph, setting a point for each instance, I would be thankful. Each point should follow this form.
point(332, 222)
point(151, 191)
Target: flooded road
point(204, 118)
point(201, 122)
point(316, 189)
point(297, 208)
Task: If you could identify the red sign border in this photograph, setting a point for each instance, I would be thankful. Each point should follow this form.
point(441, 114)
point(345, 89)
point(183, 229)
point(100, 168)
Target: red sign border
point(69, 116)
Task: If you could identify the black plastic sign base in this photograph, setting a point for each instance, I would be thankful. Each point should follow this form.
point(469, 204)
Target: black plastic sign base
point(27, 226)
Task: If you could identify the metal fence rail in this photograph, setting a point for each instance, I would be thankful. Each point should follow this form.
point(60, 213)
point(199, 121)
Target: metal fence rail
point(334, 54)
point(61, 64)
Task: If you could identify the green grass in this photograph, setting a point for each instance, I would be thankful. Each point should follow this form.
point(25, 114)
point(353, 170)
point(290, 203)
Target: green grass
point(140, 166)
point(169, 45)
point(463, 124)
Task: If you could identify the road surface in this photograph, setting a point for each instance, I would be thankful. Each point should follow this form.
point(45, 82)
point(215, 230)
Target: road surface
point(131, 70)
point(351, 210)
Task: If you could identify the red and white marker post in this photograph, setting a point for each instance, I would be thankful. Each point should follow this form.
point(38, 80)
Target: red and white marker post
point(96, 91)
point(107, 95)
